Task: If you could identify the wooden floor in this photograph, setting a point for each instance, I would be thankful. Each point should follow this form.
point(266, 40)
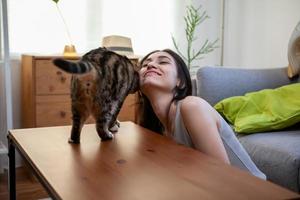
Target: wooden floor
point(28, 188)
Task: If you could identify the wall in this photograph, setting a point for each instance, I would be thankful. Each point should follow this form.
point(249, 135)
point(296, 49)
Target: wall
point(36, 26)
point(257, 32)
point(147, 23)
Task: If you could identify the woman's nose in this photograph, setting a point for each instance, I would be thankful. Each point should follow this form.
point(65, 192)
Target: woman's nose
point(151, 65)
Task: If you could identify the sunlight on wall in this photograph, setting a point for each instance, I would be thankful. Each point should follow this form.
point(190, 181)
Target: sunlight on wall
point(147, 23)
point(259, 36)
point(35, 26)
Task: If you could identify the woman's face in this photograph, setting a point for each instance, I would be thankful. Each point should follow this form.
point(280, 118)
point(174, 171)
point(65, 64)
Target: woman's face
point(158, 71)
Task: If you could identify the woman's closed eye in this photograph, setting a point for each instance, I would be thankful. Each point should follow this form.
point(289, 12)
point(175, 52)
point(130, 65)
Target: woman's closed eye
point(164, 62)
point(144, 64)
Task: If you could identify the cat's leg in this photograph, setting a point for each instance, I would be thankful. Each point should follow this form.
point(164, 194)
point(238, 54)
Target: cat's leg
point(79, 115)
point(76, 129)
point(103, 128)
point(115, 125)
point(106, 117)
point(102, 117)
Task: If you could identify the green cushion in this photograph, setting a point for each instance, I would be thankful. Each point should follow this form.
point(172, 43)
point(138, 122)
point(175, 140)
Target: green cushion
point(265, 110)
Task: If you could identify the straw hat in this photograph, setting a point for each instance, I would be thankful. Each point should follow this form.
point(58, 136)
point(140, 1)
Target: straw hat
point(294, 52)
point(119, 44)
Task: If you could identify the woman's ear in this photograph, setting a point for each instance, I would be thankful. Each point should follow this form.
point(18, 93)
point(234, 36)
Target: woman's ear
point(178, 83)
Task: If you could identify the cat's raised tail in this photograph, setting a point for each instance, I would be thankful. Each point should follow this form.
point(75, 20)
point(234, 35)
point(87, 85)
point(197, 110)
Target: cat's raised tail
point(73, 67)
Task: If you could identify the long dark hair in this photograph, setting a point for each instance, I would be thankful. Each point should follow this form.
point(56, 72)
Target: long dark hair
point(146, 115)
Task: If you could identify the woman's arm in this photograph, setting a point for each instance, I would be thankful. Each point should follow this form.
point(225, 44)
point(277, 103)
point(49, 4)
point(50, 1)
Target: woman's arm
point(202, 122)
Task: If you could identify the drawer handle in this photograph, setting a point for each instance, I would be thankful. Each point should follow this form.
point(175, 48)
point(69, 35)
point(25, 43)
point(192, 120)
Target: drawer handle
point(62, 114)
point(62, 78)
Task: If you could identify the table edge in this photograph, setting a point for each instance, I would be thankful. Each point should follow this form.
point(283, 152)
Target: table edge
point(39, 175)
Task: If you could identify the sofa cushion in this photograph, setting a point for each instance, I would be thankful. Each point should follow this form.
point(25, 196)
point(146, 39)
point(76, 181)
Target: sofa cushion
point(264, 110)
point(277, 154)
point(217, 83)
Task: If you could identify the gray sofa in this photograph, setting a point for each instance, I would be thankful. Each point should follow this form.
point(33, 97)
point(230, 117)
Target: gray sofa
point(277, 154)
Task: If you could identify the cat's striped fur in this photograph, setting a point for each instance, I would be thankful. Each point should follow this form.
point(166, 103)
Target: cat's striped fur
point(100, 83)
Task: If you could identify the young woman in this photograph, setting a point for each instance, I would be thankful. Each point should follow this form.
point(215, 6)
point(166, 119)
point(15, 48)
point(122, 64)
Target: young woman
point(168, 108)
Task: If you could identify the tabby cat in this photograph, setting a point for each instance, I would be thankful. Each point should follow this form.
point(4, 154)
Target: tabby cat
point(100, 82)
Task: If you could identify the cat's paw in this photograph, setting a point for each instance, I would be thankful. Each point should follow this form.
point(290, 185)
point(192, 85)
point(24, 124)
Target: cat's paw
point(114, 128)
point(106, 136)
point(70, 140)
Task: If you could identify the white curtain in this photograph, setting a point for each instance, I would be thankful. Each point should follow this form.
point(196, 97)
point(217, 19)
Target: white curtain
point(5, 84)
point(35, 25)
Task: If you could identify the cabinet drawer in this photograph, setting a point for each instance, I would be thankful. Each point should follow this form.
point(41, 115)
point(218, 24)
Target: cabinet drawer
point(50, 79)
point(54, 111)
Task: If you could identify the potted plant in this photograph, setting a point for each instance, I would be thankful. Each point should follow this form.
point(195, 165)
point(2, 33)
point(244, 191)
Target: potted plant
point(194, 17)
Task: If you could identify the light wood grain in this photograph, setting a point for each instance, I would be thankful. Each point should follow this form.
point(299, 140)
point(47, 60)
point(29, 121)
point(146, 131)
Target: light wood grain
point(55, 110)
point(50, 79)
point(136, 164)
point(27, 92)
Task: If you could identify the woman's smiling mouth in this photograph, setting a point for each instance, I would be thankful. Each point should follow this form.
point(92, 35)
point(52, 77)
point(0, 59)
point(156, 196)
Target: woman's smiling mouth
point(151, 73)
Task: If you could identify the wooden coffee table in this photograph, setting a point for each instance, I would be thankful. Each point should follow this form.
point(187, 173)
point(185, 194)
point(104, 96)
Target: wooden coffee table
point(136, 164)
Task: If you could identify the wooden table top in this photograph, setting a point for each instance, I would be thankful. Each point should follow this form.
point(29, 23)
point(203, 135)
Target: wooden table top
point(136, 164)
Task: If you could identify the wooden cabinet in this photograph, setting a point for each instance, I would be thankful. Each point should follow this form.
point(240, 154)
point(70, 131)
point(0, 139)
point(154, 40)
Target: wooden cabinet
point(46, 97)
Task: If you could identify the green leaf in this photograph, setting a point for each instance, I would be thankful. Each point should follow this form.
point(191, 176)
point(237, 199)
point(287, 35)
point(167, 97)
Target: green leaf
point(193, 18)
point(55, 1)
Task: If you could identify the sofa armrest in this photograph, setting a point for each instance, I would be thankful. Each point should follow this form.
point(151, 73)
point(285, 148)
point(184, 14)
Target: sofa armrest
point(216, 83)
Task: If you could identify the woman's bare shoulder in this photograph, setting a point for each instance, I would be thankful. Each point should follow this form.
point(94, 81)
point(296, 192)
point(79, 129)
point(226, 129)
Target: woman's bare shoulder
point(193, 107)
point(189, 103)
